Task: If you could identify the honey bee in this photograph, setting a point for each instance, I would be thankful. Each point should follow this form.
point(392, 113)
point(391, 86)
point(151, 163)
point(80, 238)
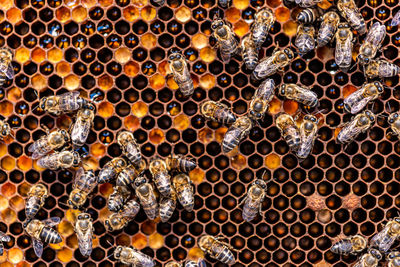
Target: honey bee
point(84, 183)
point(393, 259)
point(133, 257)
point(145, 192)
point(41, 231)
point(199, 263)
point(129, 174)
point(305, 38)
point(307, 16)
point(161, 178)
point(386, 237)
point(64, 159)
point(372, 43)
point(300, 94)
point(159, 2)
point(64, 103)
point(111, 170)
point(35, 200)
point(344, 46)
point(217, 249)
point(270, 65)
point(308, 134)
point(289, 130)
point(120, 219)
point(263, 21)
point(227, 43)
point(260, 102)
point(351, 245)
point(184, 191)
point(45, 144)
point(236, 133)
point(84, 231)
point(370, 259)
point(224, 3)
point(329, 25)
point(173, 264)
point(3, 238)
point(394, 122)
point(5, 129)
point(217, 111)
point(130, 148)
point(358, 100)
point(180, 163)
point(359, 124)
point(81, 128)
point(249, 52)
point(118, 197)
point(395, 19)
point(179, 67)
point(307, 3)
point(6, 67)
point(350, 12)
point(380, 68)
point(253, 200)
point(167, 206)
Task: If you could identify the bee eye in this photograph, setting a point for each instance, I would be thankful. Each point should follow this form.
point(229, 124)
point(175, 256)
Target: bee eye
point(283, 91)
point(213, 26)
point(391, 121)
point(221, 24)
point(396, 115)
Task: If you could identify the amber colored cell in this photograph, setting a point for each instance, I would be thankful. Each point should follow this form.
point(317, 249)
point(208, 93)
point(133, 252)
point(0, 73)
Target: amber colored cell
point(156, 241)
point(105, 3)
point(106, 189)
point(3, 149)
point(171, 83)
point(196, 175)
point(206, 135)
point(6, 4)
point(148, 40)
point(6, 108)
point(238, 162)
point(140, 3)
point(220, 133)
point(15, 255)
point(8, 163)
point(348, 90)
point(37, 167)
point(79, 14)
point(88, 3)
point(71, 3)
point(63, 68)
point(71, 215)
point(195, 254)
point(241, 28)
point(325, 53)
point(65, 255)
point(324, 215)
point(325, 4)
point(63, 122)
point(207, 54)
point(148, 13)
point(130, 13)
point(156, 136)
point(98, 150)
point(3, 203)
point(139, 109)
point(105, 109)
point(272, 161)
point(105, 82)
point(282, 14)
point(14, 15)
point(90, 163)
point(24, 188)
point(163, 68)
point(57, 246)
point(24, 163)
point(183, 14)
point(290, 28)
point(71, 82)
point(157, 81)
point(9, 216)
point(131, 68)
point(207, 81)
point(232, 14)
point(274, 3)
point(72, 242)
point(290, 106)
point(38, 55)
point(132, 123)
point(181, 122)
point(123, 240)
point(17, 203)
point(63, 14)
point(65, 228)
point(199, 41)
point(23, 264)
point(55, 55)
point(139, 241)
point(123, 55)
point(148, 227)
point(241, 4)
point(14, 94)
point(22, 55)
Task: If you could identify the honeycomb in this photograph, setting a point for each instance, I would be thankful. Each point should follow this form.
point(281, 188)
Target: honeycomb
point(116, 51)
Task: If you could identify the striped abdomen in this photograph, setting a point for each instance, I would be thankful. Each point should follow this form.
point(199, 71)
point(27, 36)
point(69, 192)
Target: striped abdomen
point(167, 208)
point(186, 87)
point(308, 15)
point(343, 247)
point(292, 137)
point(3, 79)
point(127, 176)
point(249, 211)
point(163, 183)
point(106, 175)
point(222, 253)
point(186, 198)
point(132, 152)
point(49, 235)
point(32, 207)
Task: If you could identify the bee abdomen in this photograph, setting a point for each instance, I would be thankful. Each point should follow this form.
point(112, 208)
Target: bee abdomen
point(187, 87)
point(106, 175)
point(342, 247)
point(226, 256)
point(135, 158)
point(124, 178)
point(49, 235)
point(32, 207)
point(186, 199)
point(167, 208)
point(249, 213)
point(163, 183)
point(1, 248)
point(2, 79)
point(308, 15)
point(224, 116)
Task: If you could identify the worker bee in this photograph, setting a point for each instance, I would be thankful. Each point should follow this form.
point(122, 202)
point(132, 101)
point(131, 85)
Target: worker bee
point(289, 130)
point(226, 40)
point(260, 102)
point(217, 111)
point(344, 46)
point(41, 231)
point(270, 65)
point(369, 259)
point(179, 67)
point(159, 2)
point(394, 122)
point(6, 67)
point(35, 200)
point(308, 134)
point(129, 174)
point(167, 206)
point(173, 264)
point(118, 197)
point(307, 3)
point(395, 19)
point(372, 43)
point(111, 170)
point(45, 144)
point(161, 178)
point(120, 219)
point(350, 12)
point(3, 238)
point(133, 257)
point(184, 191)
point(305, 38)
point(393, 259)
point(249, 52)
point(236, 133)
point(64, 159)
point(253, 200)
point(81, 128)
point(351, 245)
point(64, 103)
point(84, 231)
point(359, 124)
point(216, 249)
point(263, 21)
point(307, 16)
point(130, 148)
point(199, 263)
point(358, 100)
point(145, 192)
point(300, 94)
point(380, 68)
point(180, 163)
point(5, 129)
point(84, 183)
point(386, 237)
point(327, 30)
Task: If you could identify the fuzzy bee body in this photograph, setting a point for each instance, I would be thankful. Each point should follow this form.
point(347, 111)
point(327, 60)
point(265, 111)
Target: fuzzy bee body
point(45, 144)
point(67, 102)
point(270, 65)
point(35, 200)
point(161, 178)
point(81, 128)
point(300, 94)
point(60, 160)
point(129, 174)
point(305, 38)
point(351, 245)
point(307, 3)
point(180, 163)
point(386, 237)
point(5, 129)
point(3, 238)
point(308, 135)
point(84, 231)
point(289, 130)
point(344, 46)
point(216, 249)
point(262, 97)
point(308, 15)
point(249, 52)
point(118, 198)
point(130, 148)
point(167, 206)
point(6, 68)
point(381, 68)
point(173, 264)
point(227, 43)
point(84, 183)
point(179, 68)
point(111, 170)
point(184, 191)
point(253, 200)
point(327, 30)
point(350, 12)
point(120, 219)
point(369, 259)
point(145, 193)
point(359, 124)
point(239, 130)
point(217, 111)
point(394, 122)
point(133, 257)
point(393, 259)
point(263, 21)
point(372, 43)
point(358, 100)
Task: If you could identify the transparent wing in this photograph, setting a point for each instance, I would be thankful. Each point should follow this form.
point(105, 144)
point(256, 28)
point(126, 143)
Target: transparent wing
point(85, 244)
point(80, 131)
point(78, 175)
point(266, 67)
point(358, 106)
point(383, 240)
point(396, 19)
point(226, 57)
point(376, 34)
point(53, 221)
point(6, 238)
point(201, 263)
point(343, 52)
point(38, 247)
point(10, 71)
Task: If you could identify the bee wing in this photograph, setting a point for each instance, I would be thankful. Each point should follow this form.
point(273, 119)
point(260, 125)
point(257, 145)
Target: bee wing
point(53, 221)
point(358, 106)
point(10, 71)
point(265, 90)
point(181, 77)
point(395, 19)
point(376, 34)
point(356, 102)
point(266, 67)
point(383, 240)
point(201, 263)
point(85, 242)
point(80, 131)
point(78, 175)
point(359, 263)
point(343, 52)
point(37, 247)
point(6, 238)
point(226, 57)
point(69, 101)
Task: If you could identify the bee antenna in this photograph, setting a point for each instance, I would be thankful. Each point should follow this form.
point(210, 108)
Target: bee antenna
point(65, 204)
point(36, 93)
point(12, 135)
point(320, 111)
point(108, 241)
point(390, 108)
point(35, 108)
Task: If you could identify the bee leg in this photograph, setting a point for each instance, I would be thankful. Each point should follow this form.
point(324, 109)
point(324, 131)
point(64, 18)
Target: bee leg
point(242, 201)
point(229, 246)
point(45, 128)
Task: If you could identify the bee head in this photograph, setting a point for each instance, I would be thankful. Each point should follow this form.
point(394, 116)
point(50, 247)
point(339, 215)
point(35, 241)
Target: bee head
point(392, 117)
point(261, 183)
point(363, 59)
point(376, 254)
point(282, 89)
point(77, 158)
point(379, 86)
point(42, 103)
point(289, 53)
point(370, 115)
point(139, 181)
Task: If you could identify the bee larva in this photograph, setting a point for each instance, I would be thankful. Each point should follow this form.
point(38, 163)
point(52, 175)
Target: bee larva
point(308, 135)
point(227, 43)
point(129, 174)
point(45, 144)
point(359, 124)
point(289, 130)
point(216, 249)
point(118, 197)
point(111, 170)
point(81, 128)
point(64, 103)
point(249, 52)
point(3, 238)
point(350, 12)
point(167, 206)
point(300, 94)
point(329, 25)
point(369, 259)
point(184, 191)
point(84, 183)
point(180, 70)
point(84, 231)
point(308, 15)
point(130, 148)
point(180, 163)
point(60, 160)
point(305, 38)
point(6, 67)
point(145, 192)
point(239, 130)
point(133, 257)
point(161, 178)
point(380, 68)
point(351, 245)
point(263, 21)
point(358, 100)
point(262, 97)
point(271, 65)
point(120, 219)
point(253, 200)
point(344, 46)
point(372, 43)
point(35, 200)
point(386, 237)
point(217, 111)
